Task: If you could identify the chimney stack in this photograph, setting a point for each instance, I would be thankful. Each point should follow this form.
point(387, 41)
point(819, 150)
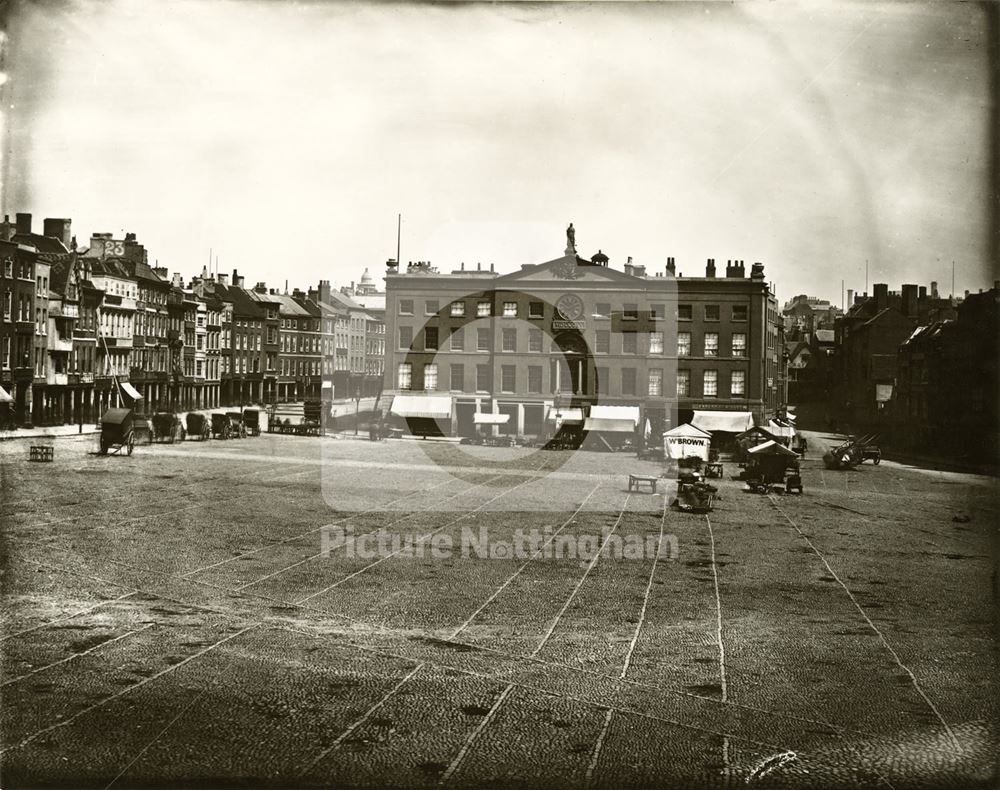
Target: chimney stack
point(58, 229)
point(881, 296)
point(710, 268)
point(934, 290)
point(671, 266)
point(909, 299)
point(237, 280)
point(628, 267)
point(223, 279)
point(756, 271)
point(922, 293)
point(23, 222)
point(850, 298)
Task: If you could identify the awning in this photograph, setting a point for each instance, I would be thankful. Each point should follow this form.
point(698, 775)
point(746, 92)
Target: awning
point(688, 430)
point(435, 407)
point(5, 396)
point(129, 390)
point(730, 421)
point(630, 413)
point(566, 416)
point(781, 431)
point(488, 418)
point(609, 425)
point(771, 448)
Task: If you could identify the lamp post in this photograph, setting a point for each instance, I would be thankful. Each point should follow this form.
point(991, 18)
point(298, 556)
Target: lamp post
point(357, 406)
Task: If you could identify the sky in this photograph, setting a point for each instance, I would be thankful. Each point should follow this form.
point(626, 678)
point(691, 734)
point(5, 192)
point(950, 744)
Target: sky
point(287, 137)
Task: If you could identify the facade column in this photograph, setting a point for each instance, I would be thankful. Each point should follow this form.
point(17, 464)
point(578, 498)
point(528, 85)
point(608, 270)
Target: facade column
point(520, 419)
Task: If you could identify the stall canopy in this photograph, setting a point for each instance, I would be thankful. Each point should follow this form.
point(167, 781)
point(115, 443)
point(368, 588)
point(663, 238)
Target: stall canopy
point(630, 413)
point(488, 418)
point(729, 421)
point(435, 407)
point(5, 396)
point(771, 448)
point(131, 391)
point(686, 441)
point(608, 424)
point(566, 416)
point(781, 431)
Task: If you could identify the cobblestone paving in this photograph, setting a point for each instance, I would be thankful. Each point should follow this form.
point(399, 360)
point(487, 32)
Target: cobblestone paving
point(176, 616)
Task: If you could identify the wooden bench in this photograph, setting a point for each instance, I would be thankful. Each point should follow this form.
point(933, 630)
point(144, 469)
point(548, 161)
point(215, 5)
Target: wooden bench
point(40, 452)
point(634, 481)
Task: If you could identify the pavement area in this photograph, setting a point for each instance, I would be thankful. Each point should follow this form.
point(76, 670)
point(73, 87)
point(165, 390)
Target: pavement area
point(213, 613)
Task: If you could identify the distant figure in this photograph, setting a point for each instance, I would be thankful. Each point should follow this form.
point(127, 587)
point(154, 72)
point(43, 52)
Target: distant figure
point(570, 237)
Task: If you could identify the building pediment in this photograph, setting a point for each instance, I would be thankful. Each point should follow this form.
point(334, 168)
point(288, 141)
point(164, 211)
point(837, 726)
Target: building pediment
point(571, 268)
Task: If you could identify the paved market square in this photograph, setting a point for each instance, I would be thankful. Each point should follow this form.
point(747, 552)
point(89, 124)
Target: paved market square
point(193, 613)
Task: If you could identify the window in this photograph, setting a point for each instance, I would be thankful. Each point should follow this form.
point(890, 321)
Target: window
point(8, 269)
point(405, 307)
point(739, 312)
point(482, 339)
point(535, 340)
point(510, 309)
point(431, 306)
point(602, 310)
point(509, 340)
point(656, 312)
point(482, 378)
point(406, 337)
point(603, 342)
point(655, 382)
point(630, 312)
point(656, 342)
point(430, 338)
point(483, 309)
point(536, 310)
point(739, 344)
point(710, 384)
point(629, 343)
point(738, 383)
point(403, 376)
point(683, 344)
point(683, 312)
point(430, 376)
point(711, 312)
point(507, 378)
point(602, 381)
point(628, 381)
point(683, 383)
point(458, 339)
point(457, 377)
point(458, 308)
point(711, 344)
point(534, 378)
point(7, 304)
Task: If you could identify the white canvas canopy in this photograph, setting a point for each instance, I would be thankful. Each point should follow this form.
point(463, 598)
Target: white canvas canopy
point(436, 407)
point(686, 441)
point(566, 416)
point(630, 413)
point(5, 396)
point(488, 418)
point(729, 421)
point(771, 447)
point(609, 425)
point(781, 431)
point(131, 391)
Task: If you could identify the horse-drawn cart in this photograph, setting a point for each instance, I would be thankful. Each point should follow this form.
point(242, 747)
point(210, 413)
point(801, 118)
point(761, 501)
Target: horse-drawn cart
point(167, 427)
point(116, 432)
point(221, 426)
point(197, 426)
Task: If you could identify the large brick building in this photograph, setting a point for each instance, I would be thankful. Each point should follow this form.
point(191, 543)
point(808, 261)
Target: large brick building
point(553, 344)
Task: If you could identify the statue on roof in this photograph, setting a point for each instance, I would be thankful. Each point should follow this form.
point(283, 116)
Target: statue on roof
point(570, 239)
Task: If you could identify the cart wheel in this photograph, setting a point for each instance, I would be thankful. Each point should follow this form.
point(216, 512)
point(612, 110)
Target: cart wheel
point(129, 446)
point(877, 460)
point(104, 449)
